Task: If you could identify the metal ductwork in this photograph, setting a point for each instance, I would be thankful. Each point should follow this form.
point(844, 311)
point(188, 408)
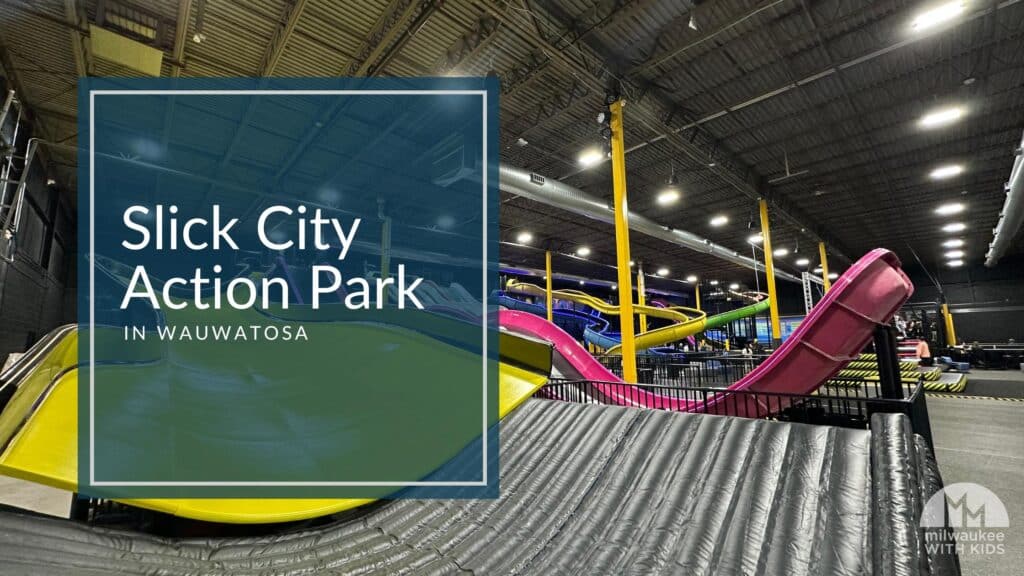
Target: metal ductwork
point(554, 193)
point(1012, 215)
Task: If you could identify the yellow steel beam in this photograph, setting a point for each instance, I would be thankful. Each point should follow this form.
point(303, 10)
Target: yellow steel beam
point(547, 291)
point(824, 266)
point(641, 296)
point(950, 331)
point(622, 243)
point(769, 268)
point(696, 295)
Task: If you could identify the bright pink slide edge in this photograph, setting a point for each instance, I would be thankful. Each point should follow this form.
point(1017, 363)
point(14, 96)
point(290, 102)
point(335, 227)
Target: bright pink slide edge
point(868, 294)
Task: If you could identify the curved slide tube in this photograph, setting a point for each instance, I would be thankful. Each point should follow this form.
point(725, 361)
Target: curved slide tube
point(612, 341)
point(572, 321)
point(686, 321)
point(834, 333)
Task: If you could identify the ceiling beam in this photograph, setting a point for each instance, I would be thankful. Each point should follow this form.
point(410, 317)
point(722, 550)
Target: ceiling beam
point(180, 36)
point(395, 20)
point(678, 48)
point(83, 63)
point(282, 34)
point(655, 110)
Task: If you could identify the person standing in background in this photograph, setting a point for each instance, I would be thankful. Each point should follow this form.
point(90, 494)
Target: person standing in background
point(924, 354)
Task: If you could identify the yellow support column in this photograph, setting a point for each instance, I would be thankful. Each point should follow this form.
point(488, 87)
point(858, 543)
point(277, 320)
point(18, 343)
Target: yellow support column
point(824, 266)
point(547, 288)
point(385, 252)
point(622, 243)
point(696, 294)
point(641, 296)
point(769, 269)
point(950, 331)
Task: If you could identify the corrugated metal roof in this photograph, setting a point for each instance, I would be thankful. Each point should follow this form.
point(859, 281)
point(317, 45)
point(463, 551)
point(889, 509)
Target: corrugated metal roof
point(760, 79)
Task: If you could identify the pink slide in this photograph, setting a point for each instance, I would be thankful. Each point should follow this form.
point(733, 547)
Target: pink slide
point(835, 332)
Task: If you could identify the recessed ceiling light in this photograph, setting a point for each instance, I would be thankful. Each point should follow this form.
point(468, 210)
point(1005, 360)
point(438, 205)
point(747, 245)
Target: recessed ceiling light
point(590, 157)
point(691, 278)
point(755, 239)
point(947, 171)
point(955, 263)
point(668, 196)
point(949, 209)
point(524, 237)
point(780, 252)
point(954, 227)
point(802, 262)
point(937, 15)
point(734, 286)
point(662, 271)
point(817, 270)
point(720, 220)
point(954, 243)
point(832, 275)
point(955, 254)
point(583, 251)
point(446, 221)
point(713, 282)
point(941, 117)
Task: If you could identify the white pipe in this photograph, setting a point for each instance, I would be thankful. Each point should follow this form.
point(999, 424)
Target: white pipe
point(560, 195)
point(1012, 215)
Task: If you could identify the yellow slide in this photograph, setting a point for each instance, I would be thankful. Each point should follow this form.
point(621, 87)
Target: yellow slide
point(686, 321)
point(39, 429)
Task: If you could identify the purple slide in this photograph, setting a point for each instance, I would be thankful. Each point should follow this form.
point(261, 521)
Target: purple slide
point(835, 332)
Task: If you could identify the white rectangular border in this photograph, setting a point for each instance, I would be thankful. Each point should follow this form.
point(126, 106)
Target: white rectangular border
point(92, 274)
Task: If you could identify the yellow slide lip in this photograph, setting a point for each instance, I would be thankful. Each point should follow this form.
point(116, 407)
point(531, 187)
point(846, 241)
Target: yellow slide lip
point(44, 448)
point(687, 321)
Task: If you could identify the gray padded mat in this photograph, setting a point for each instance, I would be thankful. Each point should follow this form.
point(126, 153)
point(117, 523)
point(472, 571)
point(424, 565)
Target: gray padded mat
point(589, 490)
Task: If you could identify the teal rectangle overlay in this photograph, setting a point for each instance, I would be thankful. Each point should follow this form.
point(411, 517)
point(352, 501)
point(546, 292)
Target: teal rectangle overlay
point(283, 287)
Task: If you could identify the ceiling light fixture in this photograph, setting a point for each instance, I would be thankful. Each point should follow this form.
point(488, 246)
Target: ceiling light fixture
point(955, 243)
point(949, 209)
point(938, 15)
point(671, 193)
point(667, 197)
point(590, 157)
point(720, 220)
point(524, 237)
point(583, 251)
point(955, 263)
point(802, 262)
point(691, 278)
point(734, 286)
point(713, 282)
point(941, 117)
point(662, 271)
point(780, 252)
point(833, 275)
point(954, 227)
point(955, 254)
point(755, 239)
point(947, 171)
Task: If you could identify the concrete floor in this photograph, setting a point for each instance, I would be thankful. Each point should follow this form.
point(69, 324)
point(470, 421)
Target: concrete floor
point(982, 441)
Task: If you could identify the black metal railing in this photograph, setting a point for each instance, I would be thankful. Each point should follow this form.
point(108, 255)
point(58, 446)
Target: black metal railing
point(845, 404)
point(687, 370)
